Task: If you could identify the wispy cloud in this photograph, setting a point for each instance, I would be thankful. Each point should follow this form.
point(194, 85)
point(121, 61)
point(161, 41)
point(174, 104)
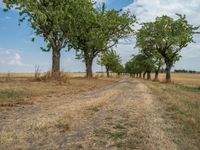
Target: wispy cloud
point(146, 11)
point(2, 5)
point(11, 57)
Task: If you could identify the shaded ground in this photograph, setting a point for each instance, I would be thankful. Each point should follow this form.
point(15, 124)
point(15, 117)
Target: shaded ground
point(121, 115)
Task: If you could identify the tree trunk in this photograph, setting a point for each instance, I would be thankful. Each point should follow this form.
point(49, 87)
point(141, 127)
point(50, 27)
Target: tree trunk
point(168, 72)
point(107, 72)
point(89, 69)
point(55, 61)
point(156, 75)
point(148, 75)
point(144, 75)
point(140, 75)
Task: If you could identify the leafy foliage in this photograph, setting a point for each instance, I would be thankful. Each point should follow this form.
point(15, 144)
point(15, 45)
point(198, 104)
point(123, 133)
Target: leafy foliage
point(111, 61)
point(99, 32)
point(165, 38)
point(51, 19)
point(140, 64)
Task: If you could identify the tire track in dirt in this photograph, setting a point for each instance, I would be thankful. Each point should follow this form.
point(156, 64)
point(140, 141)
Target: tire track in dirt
point(129, 121)
point(119, 116)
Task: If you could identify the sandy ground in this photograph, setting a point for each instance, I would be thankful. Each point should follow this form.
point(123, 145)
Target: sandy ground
point(121, 115)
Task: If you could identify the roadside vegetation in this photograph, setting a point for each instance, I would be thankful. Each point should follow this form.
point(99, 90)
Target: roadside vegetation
point(181, 106)
point(90, 30)
point(160, 43)
point(120, 111)
point(25, 90)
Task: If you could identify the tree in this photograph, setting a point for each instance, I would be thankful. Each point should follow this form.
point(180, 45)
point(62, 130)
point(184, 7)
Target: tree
point(51, 19)
point(145, 64)
point(110, 60)
point(99, 32)
point(156, 59)
point(133, 67)
point(166, 37)
point(140, 64)
point(129, 68)
point(119, 68)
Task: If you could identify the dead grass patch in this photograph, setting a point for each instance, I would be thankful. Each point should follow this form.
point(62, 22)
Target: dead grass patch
point(187, 79)
point(27, 91)
point(79, 111)
point(181, 106)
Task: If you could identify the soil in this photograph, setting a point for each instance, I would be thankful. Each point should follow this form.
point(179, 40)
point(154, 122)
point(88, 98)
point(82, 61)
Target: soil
point(121, 115)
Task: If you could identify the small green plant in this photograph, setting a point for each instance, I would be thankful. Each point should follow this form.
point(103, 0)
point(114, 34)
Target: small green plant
point(101, 132)
point(104, 132)
point(95, 109)
point(10, 94)
point(119, 126)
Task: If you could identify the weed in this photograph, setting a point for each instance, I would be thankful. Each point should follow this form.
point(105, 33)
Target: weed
point(10, 94)
point(117, 135)
point(104, 132)
point(95, 109)
point(189, 88)
point(119, 126)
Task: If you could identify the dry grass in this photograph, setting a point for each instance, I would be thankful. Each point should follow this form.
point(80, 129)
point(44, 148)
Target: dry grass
point(25, 90)
point(78, 111)
point(181, 107)
point(37, 72)
point(183, 78)
point(54, 109)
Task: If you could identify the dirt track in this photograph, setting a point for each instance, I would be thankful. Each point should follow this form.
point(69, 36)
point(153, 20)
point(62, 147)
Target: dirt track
point(122, 115)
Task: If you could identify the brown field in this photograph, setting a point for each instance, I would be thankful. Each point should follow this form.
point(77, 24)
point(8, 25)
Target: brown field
point(180, 110)
point(183, 78)
point(101, 113)
point(22, 88)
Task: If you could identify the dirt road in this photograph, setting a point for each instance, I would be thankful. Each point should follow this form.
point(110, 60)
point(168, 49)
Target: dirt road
point(122, 115)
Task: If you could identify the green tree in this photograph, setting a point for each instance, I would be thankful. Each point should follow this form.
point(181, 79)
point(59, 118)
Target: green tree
point(51, 19)
point(167, 37)
point(99, 32)
point(140, 64)
point(110, 60)
point(133, 67)
point(119, 68)
point(145, 64)
point(156, 59)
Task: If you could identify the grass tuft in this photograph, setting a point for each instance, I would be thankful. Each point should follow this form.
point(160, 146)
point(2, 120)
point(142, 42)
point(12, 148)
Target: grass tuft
point(119, 126)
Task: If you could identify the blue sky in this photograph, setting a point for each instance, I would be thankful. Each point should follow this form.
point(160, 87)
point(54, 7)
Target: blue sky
point(19, 54)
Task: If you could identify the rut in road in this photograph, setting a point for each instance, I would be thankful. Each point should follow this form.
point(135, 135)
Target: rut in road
point(123, 115)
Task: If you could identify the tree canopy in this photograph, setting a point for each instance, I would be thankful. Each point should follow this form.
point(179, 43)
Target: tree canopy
point(110, 60)
point(51, 19)
point(165, 38)
point(99, 32)
point(140, 64)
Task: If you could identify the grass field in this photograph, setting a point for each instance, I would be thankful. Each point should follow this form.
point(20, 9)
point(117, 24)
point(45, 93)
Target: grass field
point(183, 78)
point(102, 113)
point(180, 109)
point(23, 89)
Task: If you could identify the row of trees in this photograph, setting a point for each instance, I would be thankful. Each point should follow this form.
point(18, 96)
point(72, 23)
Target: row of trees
point(185, 71)
point(74, 24)
point(112, 62)
point(160, 43)
point(92, 31)
point(141, 65)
